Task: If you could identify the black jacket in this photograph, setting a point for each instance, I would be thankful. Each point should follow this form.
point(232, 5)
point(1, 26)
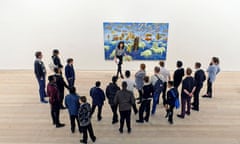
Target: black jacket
point(111, 91)
point(147, 92)
point(170, 98)
point(199, 77)
point(177, 77)
point(60, 83)
point(56, 61)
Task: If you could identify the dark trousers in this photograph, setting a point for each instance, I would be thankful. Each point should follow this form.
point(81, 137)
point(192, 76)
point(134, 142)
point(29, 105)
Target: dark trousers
point(42, 85)
point(196, 97)
point(125, 115)
point(99, 114)
point(209, 88)
point(145, 106)
point(185, 101)
point(156, 95)
point(164, 93)
point(140, 93)
point(71, 82)
point(119, 69)
point(115, 115)
point(55, 108)
point(88, 129)
point(61, 95)
point(74, 118)
point(170, 113)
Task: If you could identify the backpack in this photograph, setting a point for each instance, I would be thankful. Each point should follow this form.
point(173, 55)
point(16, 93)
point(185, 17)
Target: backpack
point(158, 86)
point(176, 103)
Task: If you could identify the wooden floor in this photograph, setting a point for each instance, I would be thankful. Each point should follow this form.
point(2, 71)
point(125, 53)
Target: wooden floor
point(24, 120)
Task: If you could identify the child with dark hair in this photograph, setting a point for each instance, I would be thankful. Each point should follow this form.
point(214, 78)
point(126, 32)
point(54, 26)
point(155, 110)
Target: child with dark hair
point(54, 101)
point(60, 85)
point(188, 88)
point(172, 95)
point(98, 98)
point(212, 70)
point(56, 59)
point(72, 104)
point(69, 72)
point(199, 78)
point(146, 101)
point(178, 74)
point(84, 117)
point(111, 91)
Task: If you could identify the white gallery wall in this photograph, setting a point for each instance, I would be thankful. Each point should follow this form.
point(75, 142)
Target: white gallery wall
point(198, 30)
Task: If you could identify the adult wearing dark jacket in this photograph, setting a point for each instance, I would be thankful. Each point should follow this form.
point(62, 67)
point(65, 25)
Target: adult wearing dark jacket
point(172, 95)
point(178, 74)
point(188, 88)
point(54, 100)
point(40, 73)
point(72, 104)
point(146, 100)
point(199, 78)
point(111, 91)
point(98, 98)
point(125, 100)
point(56, 59)
point(70, 73)
point(60, 85)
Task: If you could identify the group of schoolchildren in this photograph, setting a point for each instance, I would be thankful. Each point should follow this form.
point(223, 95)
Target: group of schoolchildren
point(123, 99)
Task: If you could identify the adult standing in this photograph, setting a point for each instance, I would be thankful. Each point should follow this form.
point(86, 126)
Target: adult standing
point(119, 53)
point(40, 73)
point(125, 100)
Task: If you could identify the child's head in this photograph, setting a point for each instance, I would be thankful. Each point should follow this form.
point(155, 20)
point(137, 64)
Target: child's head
point(57, 70)
point(189, 71)
point(170, 84)
point(83, 99)
point(98, 84)
point(146, 79)
point(161, 63)
point(52, 79)
point(142, 66)
point(197, 65)
point(179, 64)
point(114, 79)
point(124, 85)
point(38, 55)
point(69, 61)
point(55, 52)
point(156, 69)
point(127, 74)
point(72, 90)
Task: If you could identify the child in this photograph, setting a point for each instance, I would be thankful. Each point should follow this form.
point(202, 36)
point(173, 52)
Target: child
point(72, 104)
point(111, 91)
point(69, 72)
point(199, 78)
point(178, 74)
point(84, 117)
point(146, 101)
point(172, 95)
point(60, 85)
point(188, 88)
point(98, 98)
point(139, 79)
point(212, 70)
point(54, 101)
point(56, 59)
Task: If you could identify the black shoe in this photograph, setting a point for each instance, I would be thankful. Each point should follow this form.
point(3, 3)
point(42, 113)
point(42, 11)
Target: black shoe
point(180, 116)
point(44, 101)
point(129, 130)
point(83, 141)
point(135, 112)
point(195, 109)
point(206, 96)
point(62, 107)
point(146, 120)
point(139, 121)
point(100, 118)
point(53, 123)
point(114, 122)
point(73, 130)
point(121, 131)
point(188, 113)
point(60, 125)
point(94, 139)
point(170, 121)
point(122, 77)
point(167, 114)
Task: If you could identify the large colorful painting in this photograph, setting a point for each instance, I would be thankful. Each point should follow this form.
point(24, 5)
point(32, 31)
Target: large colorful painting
point(143, 41)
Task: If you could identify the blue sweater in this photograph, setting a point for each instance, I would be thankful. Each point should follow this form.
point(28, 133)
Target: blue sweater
point(72, 103)
point(213, 70)
point(98, 96)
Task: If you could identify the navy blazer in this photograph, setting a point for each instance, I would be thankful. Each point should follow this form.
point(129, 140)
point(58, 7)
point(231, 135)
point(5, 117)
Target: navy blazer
point(56, 61)
point(199, 77)
point(39, 69)
point(69, 72)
